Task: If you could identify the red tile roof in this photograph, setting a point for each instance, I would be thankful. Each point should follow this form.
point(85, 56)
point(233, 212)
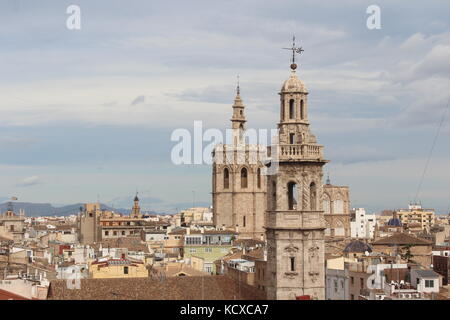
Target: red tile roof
point(171, 288)
point(402, 239)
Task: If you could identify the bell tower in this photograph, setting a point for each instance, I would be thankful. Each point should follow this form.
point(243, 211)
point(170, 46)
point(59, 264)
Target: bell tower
point(238, 119)
point(136, 210)
point(238, 183)
point(295, 222)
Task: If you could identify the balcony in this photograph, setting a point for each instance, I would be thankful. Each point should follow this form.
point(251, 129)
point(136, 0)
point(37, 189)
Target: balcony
point(300, 151)
point(296, 219)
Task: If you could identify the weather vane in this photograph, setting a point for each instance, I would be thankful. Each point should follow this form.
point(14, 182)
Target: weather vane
point(294, 50)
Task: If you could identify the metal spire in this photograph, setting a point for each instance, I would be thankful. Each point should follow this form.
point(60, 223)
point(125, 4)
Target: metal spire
point(294, 50)
point(238, 89)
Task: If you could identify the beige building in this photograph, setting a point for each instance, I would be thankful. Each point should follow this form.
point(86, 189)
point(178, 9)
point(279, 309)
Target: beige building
point(336, 207)
point(117, 268)
point(295, 219)
point(416, 217)
point(95, 224)
point(410, 248)
point(12, 225)
point(238, 183)
point(196, 215)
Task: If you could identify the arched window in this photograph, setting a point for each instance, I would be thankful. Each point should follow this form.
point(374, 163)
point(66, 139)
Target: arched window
point(291, 109)
point(226, 178)
point(292, 196)
point(302, 111)
point(312, 196)
point(258, 178)
point(244, 178)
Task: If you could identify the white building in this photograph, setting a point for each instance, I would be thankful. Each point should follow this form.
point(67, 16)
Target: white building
point(337, 286)
point(75, 271)
point(364, 225)
point(426, 281)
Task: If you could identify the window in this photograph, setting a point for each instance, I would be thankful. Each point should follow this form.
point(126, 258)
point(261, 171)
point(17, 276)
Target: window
point(125, 270)
point(292, 196)
point(335, 286)
point(302, 111)
point(115, 233)
point(243, 221)
point(429, 283)
point(312, 196)
point(226, 178)
point(106, 233)
point(208, 250)
point(291, 109)
point(258, 178)
point(362, 283)
point(292, 263)
point(291, 138)
point(192, 250)
point(244, 178)
point(352, 280)
point(11, 227)
point(123, 233)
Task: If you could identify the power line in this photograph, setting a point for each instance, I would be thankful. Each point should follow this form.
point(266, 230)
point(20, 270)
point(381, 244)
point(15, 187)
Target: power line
point(431, 152)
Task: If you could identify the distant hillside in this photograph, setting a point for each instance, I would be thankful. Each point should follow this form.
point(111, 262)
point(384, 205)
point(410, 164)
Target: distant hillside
point(46, 209)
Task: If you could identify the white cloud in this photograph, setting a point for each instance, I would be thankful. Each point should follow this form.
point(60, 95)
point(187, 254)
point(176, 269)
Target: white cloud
point(29, 181)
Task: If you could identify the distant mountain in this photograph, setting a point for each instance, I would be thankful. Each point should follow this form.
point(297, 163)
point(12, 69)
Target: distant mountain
point(46, 209)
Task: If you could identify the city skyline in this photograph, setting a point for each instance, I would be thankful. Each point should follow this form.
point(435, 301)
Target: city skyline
point(89, 112)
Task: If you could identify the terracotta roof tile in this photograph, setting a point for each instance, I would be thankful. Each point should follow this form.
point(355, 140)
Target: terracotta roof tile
point(402, 239)
point(172, 288)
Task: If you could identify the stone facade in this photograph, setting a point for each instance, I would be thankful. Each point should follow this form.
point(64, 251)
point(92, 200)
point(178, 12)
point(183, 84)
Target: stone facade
point(295, 220)
point(12, 225)
point(336, 207)
point(238, 184)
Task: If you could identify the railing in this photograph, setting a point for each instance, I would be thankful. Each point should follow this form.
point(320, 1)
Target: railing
point(300, 151)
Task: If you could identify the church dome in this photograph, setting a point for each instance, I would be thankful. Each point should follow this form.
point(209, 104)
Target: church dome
point(357, 246)
point(293, 84)
point(394, 222)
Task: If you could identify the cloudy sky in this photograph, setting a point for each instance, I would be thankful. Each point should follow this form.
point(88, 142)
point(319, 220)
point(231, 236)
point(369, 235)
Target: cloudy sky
point(88, 113)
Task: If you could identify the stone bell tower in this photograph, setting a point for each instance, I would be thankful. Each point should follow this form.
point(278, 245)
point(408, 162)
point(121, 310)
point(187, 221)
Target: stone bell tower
point(238, 185)
point(295, 220)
